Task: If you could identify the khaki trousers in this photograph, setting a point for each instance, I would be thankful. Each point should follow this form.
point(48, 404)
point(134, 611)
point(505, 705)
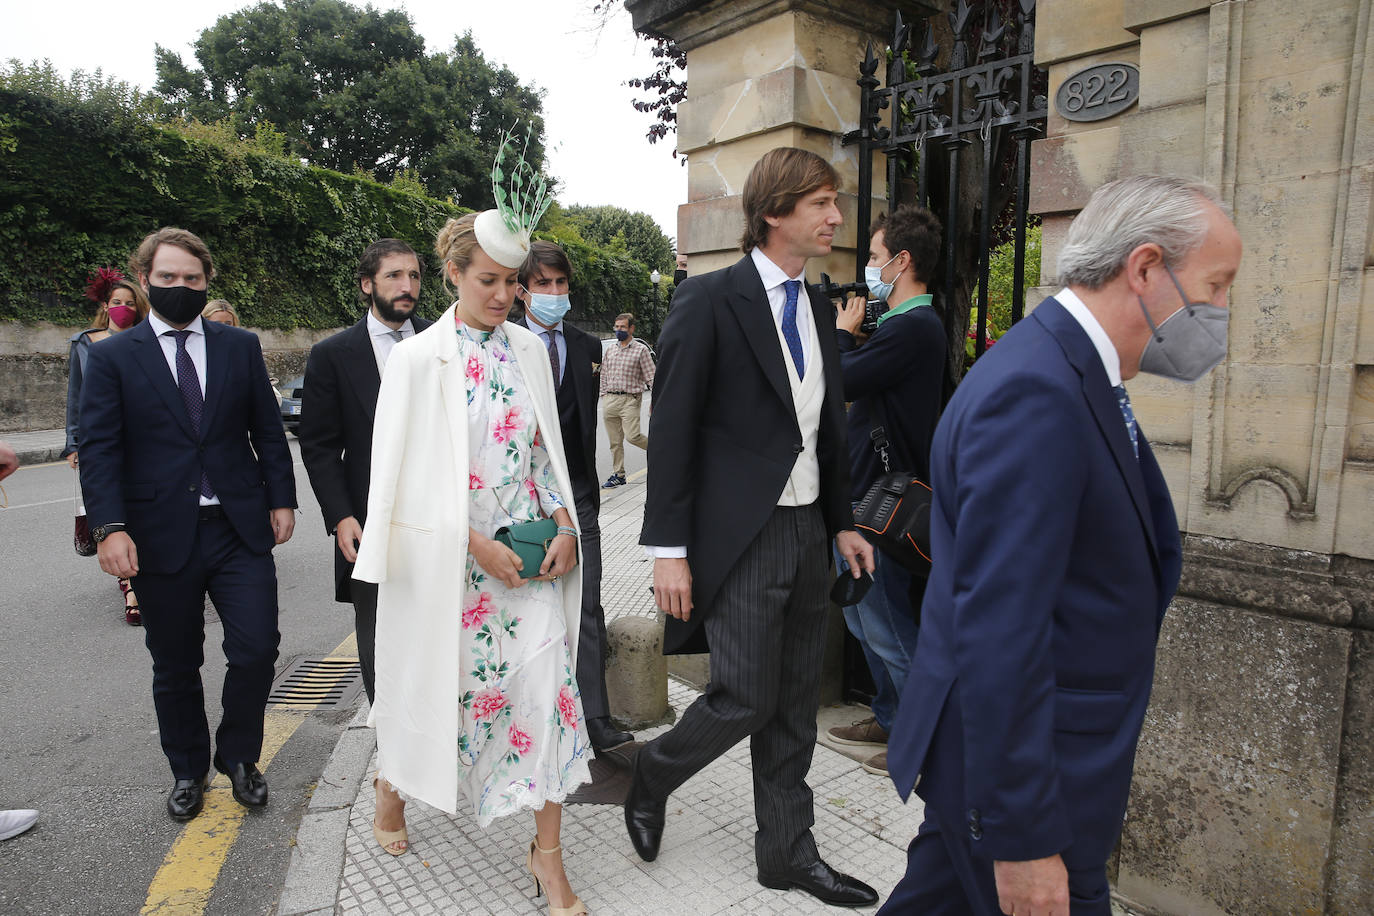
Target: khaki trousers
point(621, 413)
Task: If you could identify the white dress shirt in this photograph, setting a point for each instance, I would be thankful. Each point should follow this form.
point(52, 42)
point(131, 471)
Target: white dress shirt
point(1111, 360)
point(382, 341)
point(195, 347)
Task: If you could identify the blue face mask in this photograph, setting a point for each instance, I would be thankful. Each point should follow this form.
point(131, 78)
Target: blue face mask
point(873, 279)
point(621, 334)
point(549, 310)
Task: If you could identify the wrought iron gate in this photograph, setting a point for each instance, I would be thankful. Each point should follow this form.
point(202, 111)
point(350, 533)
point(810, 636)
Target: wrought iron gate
point(985, 96)
point(996, 97)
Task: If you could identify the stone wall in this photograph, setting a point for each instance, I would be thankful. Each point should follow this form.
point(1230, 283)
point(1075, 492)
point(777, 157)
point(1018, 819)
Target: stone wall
point(1253, 779)
point(33, 369)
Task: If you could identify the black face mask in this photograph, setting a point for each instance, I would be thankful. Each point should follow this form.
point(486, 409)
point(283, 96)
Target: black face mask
point(679, 276)
point(177, 304)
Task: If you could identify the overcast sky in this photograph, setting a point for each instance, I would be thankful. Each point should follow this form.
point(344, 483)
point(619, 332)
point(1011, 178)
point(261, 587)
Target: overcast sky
point(598, 150)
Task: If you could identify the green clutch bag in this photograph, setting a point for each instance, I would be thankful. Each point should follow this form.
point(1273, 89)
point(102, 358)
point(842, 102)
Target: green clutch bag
point(530, 541)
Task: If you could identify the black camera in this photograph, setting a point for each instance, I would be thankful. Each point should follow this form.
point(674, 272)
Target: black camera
point(841, 293)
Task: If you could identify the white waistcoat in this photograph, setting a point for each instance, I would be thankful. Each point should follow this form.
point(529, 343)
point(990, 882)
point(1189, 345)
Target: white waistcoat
point(808, 395)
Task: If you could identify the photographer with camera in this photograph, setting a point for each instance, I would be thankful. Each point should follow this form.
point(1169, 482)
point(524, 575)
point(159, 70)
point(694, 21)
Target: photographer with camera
point(900, 367)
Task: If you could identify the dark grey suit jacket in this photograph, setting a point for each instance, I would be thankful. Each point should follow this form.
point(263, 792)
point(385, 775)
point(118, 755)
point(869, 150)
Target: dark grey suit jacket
point(337, 409)
point(724, 433)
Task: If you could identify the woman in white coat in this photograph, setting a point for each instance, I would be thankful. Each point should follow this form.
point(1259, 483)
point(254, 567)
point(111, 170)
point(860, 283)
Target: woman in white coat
point(475, 655)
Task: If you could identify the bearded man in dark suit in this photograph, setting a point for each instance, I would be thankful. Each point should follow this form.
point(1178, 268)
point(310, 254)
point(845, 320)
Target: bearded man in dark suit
point(342, 377)
point(748, 484)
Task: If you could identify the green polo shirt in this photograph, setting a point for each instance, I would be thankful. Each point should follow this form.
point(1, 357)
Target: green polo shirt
point(914, 302)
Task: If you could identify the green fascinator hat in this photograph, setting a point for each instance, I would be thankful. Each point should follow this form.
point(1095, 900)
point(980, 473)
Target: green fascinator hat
point(522, 198)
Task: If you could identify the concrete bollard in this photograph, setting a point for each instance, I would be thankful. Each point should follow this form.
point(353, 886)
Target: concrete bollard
point(637, 672)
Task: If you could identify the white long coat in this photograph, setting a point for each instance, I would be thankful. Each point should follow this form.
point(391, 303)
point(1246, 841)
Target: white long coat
point(415, 546)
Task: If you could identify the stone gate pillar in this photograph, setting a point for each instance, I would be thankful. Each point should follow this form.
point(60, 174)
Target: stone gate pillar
point(1254, 789)
point(763, 74)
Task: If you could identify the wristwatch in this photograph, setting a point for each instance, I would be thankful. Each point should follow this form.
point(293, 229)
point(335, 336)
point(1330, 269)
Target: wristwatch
point(102, 532)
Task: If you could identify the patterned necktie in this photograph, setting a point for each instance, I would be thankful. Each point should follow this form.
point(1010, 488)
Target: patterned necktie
point(1124, 401)
point(553, 356)
point(188, 382)
point(789, 325)
point(395, 335)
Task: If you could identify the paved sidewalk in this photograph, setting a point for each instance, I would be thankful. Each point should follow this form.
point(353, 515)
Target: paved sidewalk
point(38, 446)
point(706, 865)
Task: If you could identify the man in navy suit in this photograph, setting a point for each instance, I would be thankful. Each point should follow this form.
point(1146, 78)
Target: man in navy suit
point(191, 485)
point(1056, 552)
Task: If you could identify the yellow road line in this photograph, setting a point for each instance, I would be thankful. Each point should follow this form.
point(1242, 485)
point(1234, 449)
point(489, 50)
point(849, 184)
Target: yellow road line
point(637, 474)
point(186, 878)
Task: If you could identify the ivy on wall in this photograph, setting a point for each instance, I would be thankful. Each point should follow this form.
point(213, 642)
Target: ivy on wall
point(81, 185)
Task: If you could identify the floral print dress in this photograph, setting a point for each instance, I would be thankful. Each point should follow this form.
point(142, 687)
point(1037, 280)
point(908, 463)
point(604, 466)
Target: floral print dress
point(521, 739)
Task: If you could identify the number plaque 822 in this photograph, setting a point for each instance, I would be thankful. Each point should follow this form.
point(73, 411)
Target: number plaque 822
point(1098, 92)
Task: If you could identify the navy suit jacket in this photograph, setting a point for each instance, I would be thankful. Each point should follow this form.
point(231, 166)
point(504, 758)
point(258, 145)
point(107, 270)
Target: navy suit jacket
point(141, 461)
point(1056, 552)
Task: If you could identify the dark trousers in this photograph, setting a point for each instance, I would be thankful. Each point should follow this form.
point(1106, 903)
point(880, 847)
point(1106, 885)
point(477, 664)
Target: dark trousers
point(591, 639)
point(364, 595)
point(945, 878)
point(243, 587)
point(766, 629)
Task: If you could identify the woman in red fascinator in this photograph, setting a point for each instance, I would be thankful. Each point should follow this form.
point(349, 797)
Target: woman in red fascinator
point(120, 305)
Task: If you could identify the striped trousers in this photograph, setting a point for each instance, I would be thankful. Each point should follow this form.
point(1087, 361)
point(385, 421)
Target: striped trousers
point(766, 629)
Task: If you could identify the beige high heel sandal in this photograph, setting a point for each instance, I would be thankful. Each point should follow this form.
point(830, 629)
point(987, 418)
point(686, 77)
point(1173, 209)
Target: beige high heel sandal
point(578, 908)
point(395, 842)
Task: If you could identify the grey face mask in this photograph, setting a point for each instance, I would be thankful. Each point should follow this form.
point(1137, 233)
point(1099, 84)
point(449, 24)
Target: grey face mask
point(1189, 343)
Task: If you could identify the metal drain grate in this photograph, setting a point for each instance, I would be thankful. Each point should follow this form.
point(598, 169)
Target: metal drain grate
point(317, 683)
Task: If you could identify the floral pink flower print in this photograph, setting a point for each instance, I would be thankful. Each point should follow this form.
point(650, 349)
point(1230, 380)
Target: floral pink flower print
point(474, 482)
point(488, 703)
point(520, 739)
point(567, 706)
point(478, 611)
point(475, 371)
point(508, 426)
point(529, 489)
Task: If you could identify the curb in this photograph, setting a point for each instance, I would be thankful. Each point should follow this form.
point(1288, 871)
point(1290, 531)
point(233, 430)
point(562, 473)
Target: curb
point(40, 455)
point(317, 856)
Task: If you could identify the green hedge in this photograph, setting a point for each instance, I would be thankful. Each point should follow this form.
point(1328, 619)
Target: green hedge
point(79, 187)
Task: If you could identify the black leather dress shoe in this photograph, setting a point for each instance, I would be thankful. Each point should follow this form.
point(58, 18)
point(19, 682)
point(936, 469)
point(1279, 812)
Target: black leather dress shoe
point(644, 816)
point(605, 736)
point(824, 883)
point(187, 798)
point(250, 788)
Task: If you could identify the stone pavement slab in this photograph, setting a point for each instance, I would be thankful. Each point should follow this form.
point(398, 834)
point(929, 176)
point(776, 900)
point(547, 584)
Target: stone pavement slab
point(705, 866)
point(706, 863)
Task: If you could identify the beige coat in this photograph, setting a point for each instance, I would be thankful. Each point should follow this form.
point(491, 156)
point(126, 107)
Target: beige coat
point(415, 547)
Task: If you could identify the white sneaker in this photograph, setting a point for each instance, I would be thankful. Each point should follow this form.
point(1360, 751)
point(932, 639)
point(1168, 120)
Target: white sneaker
point(16, 821)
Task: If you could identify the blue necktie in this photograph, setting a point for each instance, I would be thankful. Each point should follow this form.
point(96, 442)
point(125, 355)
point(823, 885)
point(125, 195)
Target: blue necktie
point(189, 385)
point(789, 325)
point(1123, 400)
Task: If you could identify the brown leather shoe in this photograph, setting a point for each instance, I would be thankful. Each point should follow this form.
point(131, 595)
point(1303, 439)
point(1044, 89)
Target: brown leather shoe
point(864, 733)
point(877, 764)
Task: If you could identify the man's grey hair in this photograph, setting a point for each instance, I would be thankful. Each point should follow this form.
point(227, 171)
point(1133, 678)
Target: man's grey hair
point(1125, 214)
